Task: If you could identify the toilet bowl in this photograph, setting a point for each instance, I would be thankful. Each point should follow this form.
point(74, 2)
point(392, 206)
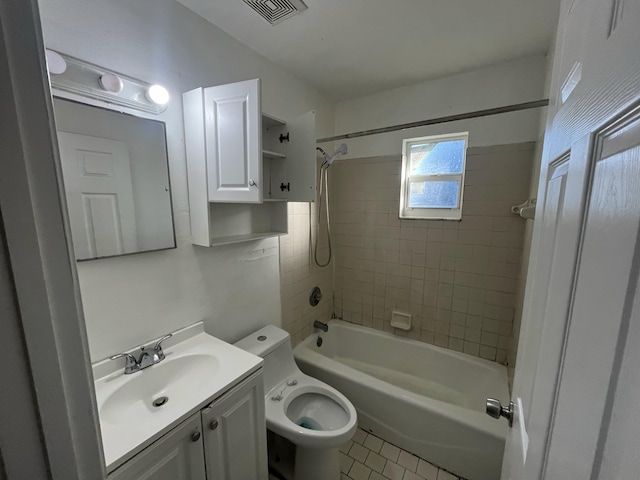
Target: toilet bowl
point(311, 414)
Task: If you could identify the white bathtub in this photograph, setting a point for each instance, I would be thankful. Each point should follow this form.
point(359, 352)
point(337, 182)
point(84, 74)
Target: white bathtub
point(427, 400)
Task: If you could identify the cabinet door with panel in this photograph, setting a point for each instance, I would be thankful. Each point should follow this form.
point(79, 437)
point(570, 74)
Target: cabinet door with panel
point(293, 177)
point(178, 455)
point(235, 439)
point(224, 141)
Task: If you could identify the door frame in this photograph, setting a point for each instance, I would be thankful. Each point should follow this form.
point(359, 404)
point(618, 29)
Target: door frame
point(45, 324)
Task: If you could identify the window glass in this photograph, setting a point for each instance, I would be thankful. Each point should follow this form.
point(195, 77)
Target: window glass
point(437, 158)
point(434, 194)
point(432, 181)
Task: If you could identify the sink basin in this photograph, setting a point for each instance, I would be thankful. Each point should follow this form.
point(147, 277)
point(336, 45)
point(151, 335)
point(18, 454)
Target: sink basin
point(198, 368)
point(174, 379)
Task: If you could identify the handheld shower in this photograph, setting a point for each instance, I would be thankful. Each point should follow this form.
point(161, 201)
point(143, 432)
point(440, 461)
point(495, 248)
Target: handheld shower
point(329, 159)
point(342, 150)
point(324, 191)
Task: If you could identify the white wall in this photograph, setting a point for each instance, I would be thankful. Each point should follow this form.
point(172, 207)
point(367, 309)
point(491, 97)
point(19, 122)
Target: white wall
point(234, 289)
point(509, 83)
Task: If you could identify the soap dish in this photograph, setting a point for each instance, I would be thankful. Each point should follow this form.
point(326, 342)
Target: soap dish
point(401, 320)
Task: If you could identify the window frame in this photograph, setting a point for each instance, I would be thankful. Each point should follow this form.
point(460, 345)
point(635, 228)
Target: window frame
point(421, 213)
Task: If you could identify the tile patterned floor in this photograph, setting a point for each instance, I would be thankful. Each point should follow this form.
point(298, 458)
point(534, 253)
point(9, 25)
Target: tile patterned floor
point(367, 457)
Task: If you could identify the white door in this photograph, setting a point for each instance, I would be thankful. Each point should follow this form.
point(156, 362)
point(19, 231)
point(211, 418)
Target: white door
point(99, 191)
point(233, 134)
point(179, 455)
point(235, 434)
point(574, 390)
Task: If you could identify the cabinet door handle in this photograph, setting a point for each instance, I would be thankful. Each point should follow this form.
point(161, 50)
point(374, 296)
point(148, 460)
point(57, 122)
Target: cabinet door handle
point(195, 436)
point(252, 183)
point(213, 425)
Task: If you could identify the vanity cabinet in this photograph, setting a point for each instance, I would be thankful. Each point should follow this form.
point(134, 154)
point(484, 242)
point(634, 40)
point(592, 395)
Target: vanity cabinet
point(178, 455)
point(224, 441)
point(244, 165)
point(235, 434)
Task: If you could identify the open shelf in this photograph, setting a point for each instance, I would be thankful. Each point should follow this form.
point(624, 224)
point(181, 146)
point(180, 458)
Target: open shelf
point(247, 237)
point(269, 154)
point(271, 121)
point(233, 222)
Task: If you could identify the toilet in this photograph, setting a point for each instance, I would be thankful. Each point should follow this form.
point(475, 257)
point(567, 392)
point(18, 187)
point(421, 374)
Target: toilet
point(314, 416)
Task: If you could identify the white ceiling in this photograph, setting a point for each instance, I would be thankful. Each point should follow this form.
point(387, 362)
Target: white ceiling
point(350, 48)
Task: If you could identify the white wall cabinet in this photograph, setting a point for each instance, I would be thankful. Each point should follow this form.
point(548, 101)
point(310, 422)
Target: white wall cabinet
point(224, 441)
point(243, 165)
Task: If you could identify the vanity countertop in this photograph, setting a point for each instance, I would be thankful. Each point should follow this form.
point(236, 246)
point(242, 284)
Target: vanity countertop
point(197, 369)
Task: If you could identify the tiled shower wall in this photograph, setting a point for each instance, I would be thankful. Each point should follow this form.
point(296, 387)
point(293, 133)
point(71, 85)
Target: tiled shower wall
point(299, 273)
point(457, 279)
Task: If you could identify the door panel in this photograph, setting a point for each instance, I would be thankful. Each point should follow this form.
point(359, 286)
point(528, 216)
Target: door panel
point(99, 191)
point(235, 434)
point(178, 455)
point(618, 457)
point(605, 286)
point(574, 322)
point(300, 170)
point(234, 142)
point(541, 340)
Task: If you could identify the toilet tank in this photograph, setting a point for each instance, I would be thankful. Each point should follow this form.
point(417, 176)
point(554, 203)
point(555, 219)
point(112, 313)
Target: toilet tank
point(274, 345)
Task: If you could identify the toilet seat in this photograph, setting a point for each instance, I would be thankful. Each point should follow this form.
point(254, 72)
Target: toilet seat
point(332, 417)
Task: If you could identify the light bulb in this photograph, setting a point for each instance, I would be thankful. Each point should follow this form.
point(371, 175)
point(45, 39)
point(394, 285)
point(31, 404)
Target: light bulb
point(111, 83)
point(158, 95)
point(55, 62)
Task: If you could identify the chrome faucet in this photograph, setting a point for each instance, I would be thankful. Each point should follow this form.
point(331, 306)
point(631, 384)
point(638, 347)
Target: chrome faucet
point(145, 359)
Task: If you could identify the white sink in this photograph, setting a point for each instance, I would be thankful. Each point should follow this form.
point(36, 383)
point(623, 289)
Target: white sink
point(197, 369)
point(170, 384)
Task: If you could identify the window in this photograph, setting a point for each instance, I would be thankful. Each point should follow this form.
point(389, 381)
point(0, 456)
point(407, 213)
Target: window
point(433, 176)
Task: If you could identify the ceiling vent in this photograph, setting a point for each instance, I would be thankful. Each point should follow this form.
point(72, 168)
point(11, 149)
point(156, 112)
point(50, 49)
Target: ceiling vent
point(276, 11)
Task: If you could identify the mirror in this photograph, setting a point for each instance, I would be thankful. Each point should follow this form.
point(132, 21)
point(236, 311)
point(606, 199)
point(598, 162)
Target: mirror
point(116, 178)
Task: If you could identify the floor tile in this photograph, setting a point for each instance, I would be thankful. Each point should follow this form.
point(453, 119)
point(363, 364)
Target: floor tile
point(345, 463)
point(359, 471)
point(390, 451)
point(359, 436)
point(370, 457)
point(345, 447)
point(358, 452)
point(408, 461)
point(393, 471)
point(375, 462)
point(373, 443)
point(426, 470)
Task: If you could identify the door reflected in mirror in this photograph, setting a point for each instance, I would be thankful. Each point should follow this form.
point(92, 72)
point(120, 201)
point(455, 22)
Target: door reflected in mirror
point(116, 181)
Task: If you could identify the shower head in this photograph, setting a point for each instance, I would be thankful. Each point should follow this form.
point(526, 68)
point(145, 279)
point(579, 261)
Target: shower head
point(329, 159)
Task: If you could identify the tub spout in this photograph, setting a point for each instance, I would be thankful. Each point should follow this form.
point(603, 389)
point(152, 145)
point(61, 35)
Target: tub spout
point(322, 326)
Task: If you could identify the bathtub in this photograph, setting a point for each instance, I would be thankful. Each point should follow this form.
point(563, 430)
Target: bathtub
point(427, 400)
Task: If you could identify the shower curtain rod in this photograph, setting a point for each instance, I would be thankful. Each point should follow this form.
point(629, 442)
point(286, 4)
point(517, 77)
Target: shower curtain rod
point(451, 118)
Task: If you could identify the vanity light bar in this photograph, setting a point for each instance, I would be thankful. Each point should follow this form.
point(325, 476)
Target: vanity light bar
point(99, 83)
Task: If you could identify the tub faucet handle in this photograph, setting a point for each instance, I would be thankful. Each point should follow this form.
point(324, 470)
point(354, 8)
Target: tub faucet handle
point(496, 410)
